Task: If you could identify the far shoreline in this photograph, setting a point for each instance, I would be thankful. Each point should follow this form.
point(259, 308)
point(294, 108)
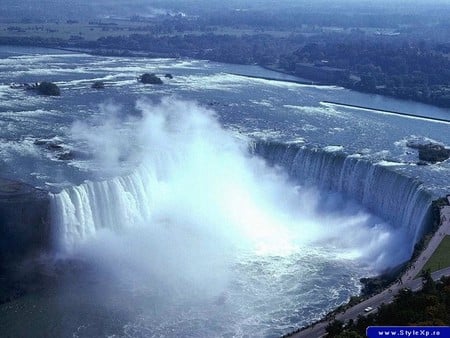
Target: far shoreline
point(385, 111)
point(172, 55)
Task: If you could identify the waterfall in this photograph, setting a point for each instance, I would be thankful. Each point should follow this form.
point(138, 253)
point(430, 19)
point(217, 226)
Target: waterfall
point(402, 201)
point(80, 211)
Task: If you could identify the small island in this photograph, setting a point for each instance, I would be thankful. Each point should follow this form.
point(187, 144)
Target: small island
point(98, 85)
point(148, 78)
point(48, 89)
point(430, 152)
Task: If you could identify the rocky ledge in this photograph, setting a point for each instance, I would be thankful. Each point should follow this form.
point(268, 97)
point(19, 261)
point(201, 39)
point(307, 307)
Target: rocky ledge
point(24, 221)
point(430, 152)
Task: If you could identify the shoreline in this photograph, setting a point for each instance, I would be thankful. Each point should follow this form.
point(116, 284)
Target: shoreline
point(301, 79)
point(384, 111)
point(115, 53)
point(128, 53)
point(409, 278)
point(301, 82)
point(362, 90)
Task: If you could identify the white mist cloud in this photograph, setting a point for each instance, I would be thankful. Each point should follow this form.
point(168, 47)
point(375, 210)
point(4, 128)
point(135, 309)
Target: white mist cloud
point(107, 138)
point(213, 203)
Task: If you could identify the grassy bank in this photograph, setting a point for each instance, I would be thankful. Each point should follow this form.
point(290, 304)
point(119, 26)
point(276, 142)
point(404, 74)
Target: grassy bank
point(441, 257)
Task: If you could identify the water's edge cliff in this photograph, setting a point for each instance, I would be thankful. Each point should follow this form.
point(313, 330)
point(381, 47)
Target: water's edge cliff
point(25, 221)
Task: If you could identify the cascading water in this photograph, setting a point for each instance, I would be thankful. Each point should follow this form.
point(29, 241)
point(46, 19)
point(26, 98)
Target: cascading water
point(210, 241)
point(80, 211)
point(401, 200)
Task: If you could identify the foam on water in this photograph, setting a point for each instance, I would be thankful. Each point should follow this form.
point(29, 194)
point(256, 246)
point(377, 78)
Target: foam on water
point(317, 110)
point(220, 81)
point(333, 148)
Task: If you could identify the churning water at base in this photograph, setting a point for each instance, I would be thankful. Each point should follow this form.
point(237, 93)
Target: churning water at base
point(204, 239)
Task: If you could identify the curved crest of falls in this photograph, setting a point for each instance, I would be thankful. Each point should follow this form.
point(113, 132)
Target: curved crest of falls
point(226, 225)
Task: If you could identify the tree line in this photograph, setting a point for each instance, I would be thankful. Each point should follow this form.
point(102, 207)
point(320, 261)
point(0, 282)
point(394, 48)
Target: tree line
point(428, 307)
point(393, 66)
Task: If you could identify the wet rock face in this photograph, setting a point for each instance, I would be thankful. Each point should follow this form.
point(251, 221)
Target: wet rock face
point(48, 88)
point(24, 221)
point(150, 79)
point(431, 152)
point(60, 150)
point(434, 153)
point(98, 85)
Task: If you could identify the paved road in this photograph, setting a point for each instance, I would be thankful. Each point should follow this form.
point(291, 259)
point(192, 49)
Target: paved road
point(408, 280)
